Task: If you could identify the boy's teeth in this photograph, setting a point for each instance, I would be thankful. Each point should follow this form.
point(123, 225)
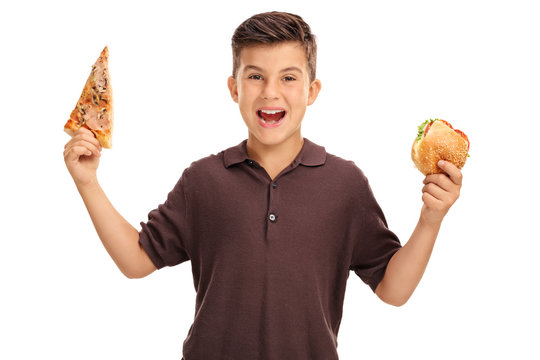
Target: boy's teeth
point(271, 116)
point(271, 111)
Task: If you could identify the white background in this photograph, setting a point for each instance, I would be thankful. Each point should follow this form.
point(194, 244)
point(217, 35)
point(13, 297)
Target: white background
point(385, 67)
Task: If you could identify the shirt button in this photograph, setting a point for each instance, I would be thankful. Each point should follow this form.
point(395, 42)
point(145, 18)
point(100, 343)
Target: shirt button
point(274, 185)
point(272, 217)
point(250, 163)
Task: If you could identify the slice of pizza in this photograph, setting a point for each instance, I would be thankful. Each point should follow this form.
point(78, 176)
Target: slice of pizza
point(94, 110)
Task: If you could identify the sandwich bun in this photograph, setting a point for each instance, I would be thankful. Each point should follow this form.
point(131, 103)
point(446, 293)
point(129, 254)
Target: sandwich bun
point(438, 140)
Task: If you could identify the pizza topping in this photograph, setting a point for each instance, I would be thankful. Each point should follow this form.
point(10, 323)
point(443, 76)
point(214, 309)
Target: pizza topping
point(101, 113)
point(96, 120)
point(102, 83)
point(81, 109)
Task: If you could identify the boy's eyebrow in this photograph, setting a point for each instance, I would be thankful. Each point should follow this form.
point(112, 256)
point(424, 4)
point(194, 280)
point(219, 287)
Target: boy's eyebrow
point(252, 67)
point(292, 68)
point(287, 69)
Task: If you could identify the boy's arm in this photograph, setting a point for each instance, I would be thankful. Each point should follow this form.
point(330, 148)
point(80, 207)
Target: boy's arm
point(121, 240)
point(407, 266)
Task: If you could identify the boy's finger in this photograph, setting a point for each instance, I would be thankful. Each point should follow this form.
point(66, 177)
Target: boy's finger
point(83, 130)
point(441, 180)
point(455, 174)
point(83, 142)
point(86, 145)
point(73, 153)
point(430, 200)
point(84, 136)
point(434, 190)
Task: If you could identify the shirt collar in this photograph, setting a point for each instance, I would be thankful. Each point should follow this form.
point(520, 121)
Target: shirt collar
point(311, 154)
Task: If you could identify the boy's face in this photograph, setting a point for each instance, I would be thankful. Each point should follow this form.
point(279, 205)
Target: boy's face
point(272, 89)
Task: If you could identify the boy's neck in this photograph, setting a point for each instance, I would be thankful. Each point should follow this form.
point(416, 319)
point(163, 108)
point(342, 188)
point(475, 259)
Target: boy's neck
point(274, 158)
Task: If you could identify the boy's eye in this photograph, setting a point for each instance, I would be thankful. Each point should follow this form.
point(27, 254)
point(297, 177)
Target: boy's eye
point(255, 77)
point(289, 78)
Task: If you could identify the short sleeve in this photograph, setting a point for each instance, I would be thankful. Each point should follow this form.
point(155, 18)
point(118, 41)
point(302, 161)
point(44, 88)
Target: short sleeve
point(165, 234)
point(375, 244)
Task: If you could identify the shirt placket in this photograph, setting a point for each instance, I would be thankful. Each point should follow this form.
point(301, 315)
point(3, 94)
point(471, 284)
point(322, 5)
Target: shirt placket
point(275, 203)
point(274, 199)
point(272, 216)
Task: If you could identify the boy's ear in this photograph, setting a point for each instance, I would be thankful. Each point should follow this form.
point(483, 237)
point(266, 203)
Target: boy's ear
point(233, 88)
point(314, 90)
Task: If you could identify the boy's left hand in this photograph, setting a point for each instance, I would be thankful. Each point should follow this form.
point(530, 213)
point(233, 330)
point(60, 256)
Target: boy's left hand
point(440, 192)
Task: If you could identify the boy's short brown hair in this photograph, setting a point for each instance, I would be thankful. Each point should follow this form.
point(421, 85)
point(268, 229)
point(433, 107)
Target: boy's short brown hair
point(272, 28)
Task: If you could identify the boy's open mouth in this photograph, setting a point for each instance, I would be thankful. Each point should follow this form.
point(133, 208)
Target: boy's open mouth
point(272, 116)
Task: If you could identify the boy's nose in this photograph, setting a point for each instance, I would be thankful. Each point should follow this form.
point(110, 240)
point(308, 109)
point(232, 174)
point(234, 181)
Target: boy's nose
point(270, 97)
point(270, 91)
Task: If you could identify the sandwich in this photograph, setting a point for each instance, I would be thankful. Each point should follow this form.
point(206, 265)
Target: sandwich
point(438, 140)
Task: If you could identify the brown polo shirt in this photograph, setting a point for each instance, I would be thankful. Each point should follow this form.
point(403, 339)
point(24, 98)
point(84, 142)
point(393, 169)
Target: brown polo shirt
point(270, 259)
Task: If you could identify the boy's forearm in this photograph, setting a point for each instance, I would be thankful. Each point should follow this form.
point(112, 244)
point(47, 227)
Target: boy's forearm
point(407, 266)
point(121, 239)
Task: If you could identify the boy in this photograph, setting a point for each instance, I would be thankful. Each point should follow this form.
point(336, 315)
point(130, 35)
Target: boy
point(273, 225)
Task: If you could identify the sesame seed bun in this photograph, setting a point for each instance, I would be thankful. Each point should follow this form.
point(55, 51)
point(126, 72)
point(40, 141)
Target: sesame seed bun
point(441, 142)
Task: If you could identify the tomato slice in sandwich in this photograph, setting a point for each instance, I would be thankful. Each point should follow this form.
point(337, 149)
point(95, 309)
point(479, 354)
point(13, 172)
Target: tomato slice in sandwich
point(461, 133)
point(464, 136)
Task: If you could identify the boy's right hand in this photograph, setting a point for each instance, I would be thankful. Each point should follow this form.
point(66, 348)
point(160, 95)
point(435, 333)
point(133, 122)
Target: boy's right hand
point(81, 155)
